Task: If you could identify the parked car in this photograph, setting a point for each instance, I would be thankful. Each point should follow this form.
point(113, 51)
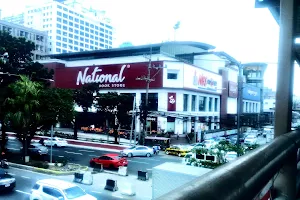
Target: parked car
point(56, 142)
point(109, 160)
point(58, 189)
point(230, 156)
point(7, 181)
point(137, 151)
point(177, 150)
point(250, 140)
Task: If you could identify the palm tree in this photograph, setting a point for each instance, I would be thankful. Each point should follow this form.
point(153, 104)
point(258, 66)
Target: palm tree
point(23, 109)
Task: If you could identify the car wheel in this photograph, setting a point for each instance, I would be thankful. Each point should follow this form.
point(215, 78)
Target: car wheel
point(148, 154)
point(179, 154)
point(92, 164)
point(167, 152)
point(129, 155)
point(55, 145)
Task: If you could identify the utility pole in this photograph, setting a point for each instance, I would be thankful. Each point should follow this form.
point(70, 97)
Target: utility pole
point(239, 103)
point(148, 80)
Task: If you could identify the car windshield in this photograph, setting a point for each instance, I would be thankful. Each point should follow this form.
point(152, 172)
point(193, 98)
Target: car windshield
point(74, 192)
point(131, 148)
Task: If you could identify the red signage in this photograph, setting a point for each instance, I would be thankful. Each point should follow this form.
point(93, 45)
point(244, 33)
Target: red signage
point(172, 101)
point(232, 89)
point(108, 76)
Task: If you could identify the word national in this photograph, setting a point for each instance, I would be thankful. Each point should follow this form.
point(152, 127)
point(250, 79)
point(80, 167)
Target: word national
point(97, 77)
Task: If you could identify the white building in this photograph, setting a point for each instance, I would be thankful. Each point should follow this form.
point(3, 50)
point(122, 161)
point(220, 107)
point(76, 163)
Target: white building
point(40, 38)
point(185, 97)
point(71, 27)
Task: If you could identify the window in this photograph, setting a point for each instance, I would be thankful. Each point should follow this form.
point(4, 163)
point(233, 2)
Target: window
point(216, 104)
point(58, 44)
point(36, 187)
point(65, 21)
point(70, 23)
point(58, 31)
point(193, 102)
point(185, 102)
point(65, 39)
point(59, 13)
point(65, 16)
point(70, 35)
point(172, 76)
point(58, 25)
point(70, 18)
point(210, 101)
point(152, 101)
point(202, 101)
point(58, 37)
point(59, 19)
point(52, 192)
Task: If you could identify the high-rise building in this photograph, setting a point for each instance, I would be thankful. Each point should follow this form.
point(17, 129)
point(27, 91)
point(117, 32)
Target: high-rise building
point(16, 19)
point(40, 38)
point(70, 26)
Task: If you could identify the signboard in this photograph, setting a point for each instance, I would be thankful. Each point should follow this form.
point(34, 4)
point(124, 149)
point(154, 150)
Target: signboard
point(122, 76)
point(232, 89)
point(251, 93)
point(171, 101)
point(196, 78)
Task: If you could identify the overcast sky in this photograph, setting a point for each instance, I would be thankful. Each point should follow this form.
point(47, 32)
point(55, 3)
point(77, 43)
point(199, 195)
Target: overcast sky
point(234, 26)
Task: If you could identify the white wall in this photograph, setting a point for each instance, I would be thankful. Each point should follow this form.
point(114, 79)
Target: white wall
point(209, 62)
point(231, 105)
point(173, 67)
point(269, 104)
point(233, 75)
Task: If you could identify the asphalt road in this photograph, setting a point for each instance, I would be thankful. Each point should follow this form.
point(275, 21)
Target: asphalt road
point(26, 179)
point(82, 156)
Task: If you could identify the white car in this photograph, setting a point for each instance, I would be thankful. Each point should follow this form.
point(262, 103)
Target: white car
point(56, 142)
point(137, 151)
point(250, 140)
point(230, 156)
point(57, 189)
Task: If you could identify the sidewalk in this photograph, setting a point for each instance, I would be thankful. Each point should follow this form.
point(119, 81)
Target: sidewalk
point(143, 189)
point(83, 144)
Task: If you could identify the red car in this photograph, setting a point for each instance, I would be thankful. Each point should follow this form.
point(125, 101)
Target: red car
point(109, 160)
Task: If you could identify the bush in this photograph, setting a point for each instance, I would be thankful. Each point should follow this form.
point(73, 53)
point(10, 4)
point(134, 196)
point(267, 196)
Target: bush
point(39, 164)
point(63, 161)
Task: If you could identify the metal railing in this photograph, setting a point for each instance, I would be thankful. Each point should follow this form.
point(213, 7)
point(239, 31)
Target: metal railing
point(243, 178)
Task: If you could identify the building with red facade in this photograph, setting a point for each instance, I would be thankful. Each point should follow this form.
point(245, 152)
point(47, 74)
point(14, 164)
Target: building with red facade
point(193, 89)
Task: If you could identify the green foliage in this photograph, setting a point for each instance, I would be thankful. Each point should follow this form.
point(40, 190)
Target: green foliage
point(227, 146)
point(57, 105)
point(85, 96)
point(39, 164)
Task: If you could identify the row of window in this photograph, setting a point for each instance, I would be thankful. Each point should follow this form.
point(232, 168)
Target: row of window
point(205, 104)
point(82, 40)
point(250, 107)
point(81, 48)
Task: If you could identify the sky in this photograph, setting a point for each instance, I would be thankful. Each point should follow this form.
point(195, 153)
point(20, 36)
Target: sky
point(234, 26)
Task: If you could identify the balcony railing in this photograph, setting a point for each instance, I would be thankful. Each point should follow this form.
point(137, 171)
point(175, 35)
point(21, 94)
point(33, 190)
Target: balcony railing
point(245, 177)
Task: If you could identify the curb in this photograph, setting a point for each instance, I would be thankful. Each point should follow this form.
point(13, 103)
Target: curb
point(44, 171)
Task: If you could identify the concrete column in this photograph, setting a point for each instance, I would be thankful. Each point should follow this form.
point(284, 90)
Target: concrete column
point(207, 104)
point(213, 104)
point(189, 106)
point(285, 183)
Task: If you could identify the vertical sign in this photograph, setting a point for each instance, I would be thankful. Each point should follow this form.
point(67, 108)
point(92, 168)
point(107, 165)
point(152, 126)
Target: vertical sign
point(171, 101)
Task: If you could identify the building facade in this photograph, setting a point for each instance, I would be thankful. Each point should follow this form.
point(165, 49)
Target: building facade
point(185, 96)
point(40, 38)
point(70, 27)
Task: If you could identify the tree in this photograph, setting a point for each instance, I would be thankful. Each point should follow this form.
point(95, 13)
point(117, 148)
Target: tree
point(114, 106)
point(56, 105)
point(84, 98)
point(19, 62)
point(24, 109)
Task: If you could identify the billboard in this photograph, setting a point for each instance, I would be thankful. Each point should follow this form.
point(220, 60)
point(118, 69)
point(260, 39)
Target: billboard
point(251, 92)
point(122, 76)
point(232, 89)
point(196, 78)
point(171, 101)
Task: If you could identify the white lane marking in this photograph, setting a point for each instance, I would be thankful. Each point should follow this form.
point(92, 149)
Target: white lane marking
point(73, 152)
point(96, 192)
point(15, 168)
point(139, 162)
point(118, 196)
point(86, 151)
point(22, 192)
point(11, 174)
point(93, 155)
point(61, 156)
point(25, 177)
point(14, 149)
point(149, 169)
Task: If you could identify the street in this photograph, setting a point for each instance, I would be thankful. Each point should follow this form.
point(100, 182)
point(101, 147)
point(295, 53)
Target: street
point(82, 156)
point(26, 179)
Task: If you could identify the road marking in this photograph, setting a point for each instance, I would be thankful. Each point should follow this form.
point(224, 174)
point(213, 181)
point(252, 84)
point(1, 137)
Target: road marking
point(22, 192)
point(11, 174)
point(149, 169)
point(73, 152)
point(93, 155)
point(25, 177)
point(96, 192)
point(14, 149)
point(118, 196)
point(138, 162)
point(86, 151)
point(61, 156)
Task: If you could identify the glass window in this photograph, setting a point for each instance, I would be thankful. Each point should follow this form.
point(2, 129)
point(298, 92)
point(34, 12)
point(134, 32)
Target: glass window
point(202, 101)
point(185, 102)
point(65, 16)
point(216, 104)
point(70, 29)
point(71, 24)
point(74, 192)
point(70, 35)
point(75, 42)
point(58, 31)
point(58, 25)
point(210, 101)
point(65, 21)
point(70, 18)
point(58, 37)
point(59, 19)
point(65, 39)
point(59, 13)
point(152, 100)
point(64, 45)
point(58, 44)
point(172, 76)
point(193, 102)
point(65, 28)
point(64, 51)
point(76, 20)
